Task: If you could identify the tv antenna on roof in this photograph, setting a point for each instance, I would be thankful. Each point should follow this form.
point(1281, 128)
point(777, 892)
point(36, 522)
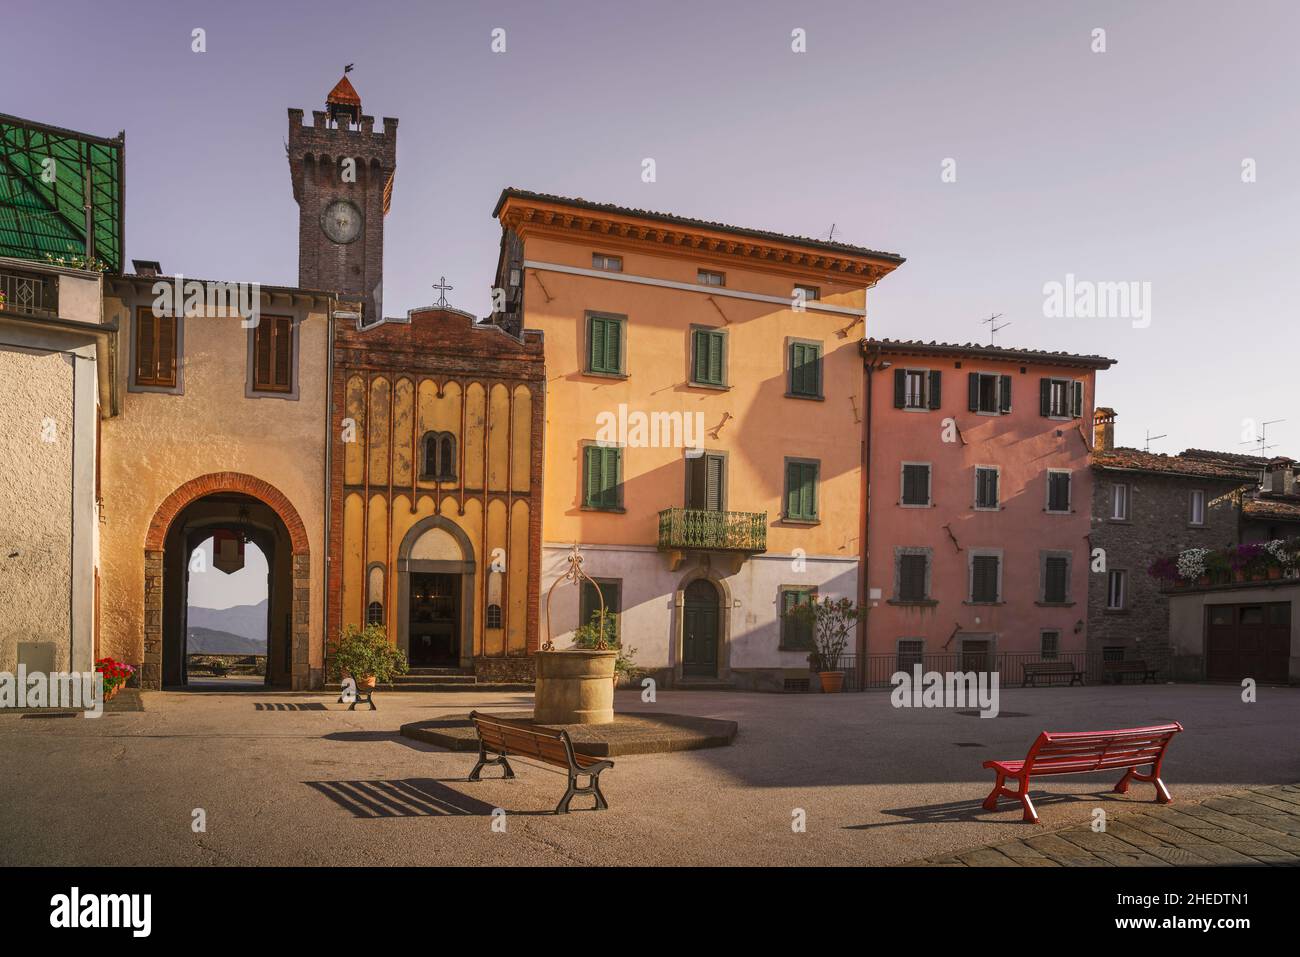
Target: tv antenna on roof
point(1151, 438)
point(994, 328)
point(831, 235)
point(1262, 441)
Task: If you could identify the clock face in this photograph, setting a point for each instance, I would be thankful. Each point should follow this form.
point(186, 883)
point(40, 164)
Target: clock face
point(341, 221)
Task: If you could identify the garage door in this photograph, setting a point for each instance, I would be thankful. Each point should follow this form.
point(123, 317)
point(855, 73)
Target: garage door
point(1248, 641)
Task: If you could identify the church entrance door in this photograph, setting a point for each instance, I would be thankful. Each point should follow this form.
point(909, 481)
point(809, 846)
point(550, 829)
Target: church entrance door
point(434, 626)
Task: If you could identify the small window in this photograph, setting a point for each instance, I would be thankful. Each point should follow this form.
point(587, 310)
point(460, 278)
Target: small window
point(438, 458)
point(273, 354)
point(374, 613)
point(796, 632)
point(156, 348)
point(911, 652)
point(611, 589)
point(1116, 588)
point(707, 277)
point(709, 357)
point(916, 483)
point(606, 263)
point(1051, 645)
point(494, 616)
point(605, 344)
point(1058, 491)
point(806, 370)
point(1056, 579)
point(989, 393)
point(1119, 495)
point(801, 490)
point(986, 487)
point(1060, 398)
point(913, 575)
point(985, 572)
point(1112, 653)
point(602, 477)
point(1196, 508)
point(804, 293)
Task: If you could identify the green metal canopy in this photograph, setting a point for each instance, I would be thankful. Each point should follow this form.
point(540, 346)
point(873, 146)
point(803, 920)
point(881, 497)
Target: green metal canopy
point(56, 187)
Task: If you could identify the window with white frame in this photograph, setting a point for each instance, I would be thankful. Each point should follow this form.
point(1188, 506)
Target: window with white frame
point(1116, 589)
point(1119, 501)
point(1196, 507)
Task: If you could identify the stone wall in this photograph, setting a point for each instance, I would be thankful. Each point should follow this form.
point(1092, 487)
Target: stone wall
point(506, 670)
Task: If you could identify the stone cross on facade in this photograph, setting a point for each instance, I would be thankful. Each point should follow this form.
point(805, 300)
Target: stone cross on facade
point(442, 287)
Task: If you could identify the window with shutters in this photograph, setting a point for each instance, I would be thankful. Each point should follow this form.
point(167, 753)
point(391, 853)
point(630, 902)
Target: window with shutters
point(801, 490)
point(606, 263)
point(917, 389)
point(157, 350)
point(1116, 589)
point(1060, 398)
point(1054, 571)
point(709, 277)
point(708, 357)
point(1119, 496)
point(989, 393)
point(911, 574)
point(1196, 507)
point(915, 484)
point(611, 589)
point(986, 487)
point(796, 631)
point(605, 344)
point(1058, 490)
point(985, 577)
point(273, 354)
point(602, 477)
point(1050, 646)
point(706, 482)
point(911, 652)
point(805, 361)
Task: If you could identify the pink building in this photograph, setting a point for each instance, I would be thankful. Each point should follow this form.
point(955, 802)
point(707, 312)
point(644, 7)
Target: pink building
point(979, 497)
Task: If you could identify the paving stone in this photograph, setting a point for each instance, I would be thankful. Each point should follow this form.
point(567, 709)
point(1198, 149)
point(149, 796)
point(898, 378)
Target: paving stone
point(1020, 851)
point(1135, 859)
point(1178, 856)
point(986, 857)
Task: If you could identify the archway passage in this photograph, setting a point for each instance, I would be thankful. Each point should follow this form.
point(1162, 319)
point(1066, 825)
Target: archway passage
point(255, 512)
point(700, 627)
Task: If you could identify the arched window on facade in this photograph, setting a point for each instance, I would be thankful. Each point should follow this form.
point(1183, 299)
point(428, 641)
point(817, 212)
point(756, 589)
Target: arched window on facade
point(375, 595)
point(374, 613)
point(439, 457)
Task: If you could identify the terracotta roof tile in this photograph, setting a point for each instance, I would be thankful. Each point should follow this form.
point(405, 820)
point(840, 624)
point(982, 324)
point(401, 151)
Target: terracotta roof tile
point(975, 350)
point(1135, 460)
point(344, 93)
point(1281, 508)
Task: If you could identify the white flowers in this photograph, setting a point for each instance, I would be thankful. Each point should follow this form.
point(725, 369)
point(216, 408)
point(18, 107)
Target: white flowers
point(1191, 563)
point(1277, 548)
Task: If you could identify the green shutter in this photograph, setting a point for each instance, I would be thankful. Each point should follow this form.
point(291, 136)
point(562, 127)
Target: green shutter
point(606, 352)
point(801, 491)
point(713, 483)
point(708, 347)
point(805, 369)
point(601, 468)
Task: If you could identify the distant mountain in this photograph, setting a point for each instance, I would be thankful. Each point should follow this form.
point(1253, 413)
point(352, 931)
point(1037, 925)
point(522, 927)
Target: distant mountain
point(246, 621)
point(206, 641)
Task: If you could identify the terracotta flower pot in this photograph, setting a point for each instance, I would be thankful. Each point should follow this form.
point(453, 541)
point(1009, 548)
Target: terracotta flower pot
point(365, 684)
point(832, 681)
point(1274, 572)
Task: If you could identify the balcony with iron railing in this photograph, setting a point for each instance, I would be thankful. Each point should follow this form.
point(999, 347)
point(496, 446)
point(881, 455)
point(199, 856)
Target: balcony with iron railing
point(29, 293)
point(696, 529)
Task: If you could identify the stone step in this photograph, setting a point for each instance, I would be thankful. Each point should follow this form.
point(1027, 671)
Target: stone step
point(410, 679)
point(440, 686)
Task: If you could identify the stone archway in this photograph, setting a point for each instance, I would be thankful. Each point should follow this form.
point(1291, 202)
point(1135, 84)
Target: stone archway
point(154, 555)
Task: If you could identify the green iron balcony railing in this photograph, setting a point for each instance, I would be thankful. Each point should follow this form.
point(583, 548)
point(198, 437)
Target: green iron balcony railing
point(683, 528)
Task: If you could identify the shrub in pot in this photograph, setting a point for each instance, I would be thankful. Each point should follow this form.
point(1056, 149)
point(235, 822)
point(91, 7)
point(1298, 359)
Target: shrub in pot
point(365, 656)
point(830, 620)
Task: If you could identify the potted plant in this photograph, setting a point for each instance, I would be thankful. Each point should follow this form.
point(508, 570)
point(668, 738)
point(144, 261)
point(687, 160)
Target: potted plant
point(116, 674)
point(365, 656)
point(830, 621)
point(588, 636)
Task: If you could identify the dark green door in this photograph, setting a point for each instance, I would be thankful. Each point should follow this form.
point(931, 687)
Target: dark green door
point(700, 631)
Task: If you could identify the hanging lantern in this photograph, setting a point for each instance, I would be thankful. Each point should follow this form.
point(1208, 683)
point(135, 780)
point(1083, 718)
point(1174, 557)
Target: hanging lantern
point(227, 550)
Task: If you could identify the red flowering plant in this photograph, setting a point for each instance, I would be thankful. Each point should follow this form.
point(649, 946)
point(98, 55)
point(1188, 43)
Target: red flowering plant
point(116, 673)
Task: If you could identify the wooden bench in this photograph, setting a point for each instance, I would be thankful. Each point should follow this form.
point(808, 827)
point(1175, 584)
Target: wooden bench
point(1084, 752)
point(1116, 670)
point(1032, 670)
point(503, 736)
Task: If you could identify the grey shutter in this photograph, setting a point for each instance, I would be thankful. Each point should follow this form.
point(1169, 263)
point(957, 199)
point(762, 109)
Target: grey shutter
point(900, 388)
point(1076, 401)
point(936, 393)
point(1004, 394)
point(973, 388)
point(713, 483)
point(1044, 397)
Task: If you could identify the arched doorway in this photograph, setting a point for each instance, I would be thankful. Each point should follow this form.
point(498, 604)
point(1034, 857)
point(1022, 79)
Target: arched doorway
point(701, 629)
point(435, 595)
point(251, 511)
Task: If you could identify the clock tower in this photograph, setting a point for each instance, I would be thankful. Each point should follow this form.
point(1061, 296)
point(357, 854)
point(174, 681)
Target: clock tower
point(342, 172)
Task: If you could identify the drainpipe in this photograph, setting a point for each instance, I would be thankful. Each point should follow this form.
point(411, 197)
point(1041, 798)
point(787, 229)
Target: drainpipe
point(864, 590)
point(329, 461)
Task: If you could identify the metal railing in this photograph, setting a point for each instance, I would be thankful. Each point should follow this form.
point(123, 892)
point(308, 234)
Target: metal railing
point(30, 294)
point(879, 669)
point(717, 531)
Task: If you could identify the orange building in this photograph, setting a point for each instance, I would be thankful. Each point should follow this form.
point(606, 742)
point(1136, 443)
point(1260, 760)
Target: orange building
point(701, 382)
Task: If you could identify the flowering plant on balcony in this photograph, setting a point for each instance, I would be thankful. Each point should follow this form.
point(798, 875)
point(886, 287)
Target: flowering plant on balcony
point(2, 300)
point(116, 674)
point(1192, 563)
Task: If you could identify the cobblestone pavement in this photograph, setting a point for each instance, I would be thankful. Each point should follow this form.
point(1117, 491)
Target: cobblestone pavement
point(1259, 826)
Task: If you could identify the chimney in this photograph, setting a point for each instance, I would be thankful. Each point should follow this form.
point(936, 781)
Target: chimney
point(1279, 476)
point(1103, 430)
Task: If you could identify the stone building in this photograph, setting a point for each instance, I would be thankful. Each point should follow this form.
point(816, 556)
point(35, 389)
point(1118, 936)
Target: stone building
point(1148, 506)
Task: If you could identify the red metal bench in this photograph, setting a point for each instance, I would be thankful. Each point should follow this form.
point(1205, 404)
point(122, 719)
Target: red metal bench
point(1083, 752)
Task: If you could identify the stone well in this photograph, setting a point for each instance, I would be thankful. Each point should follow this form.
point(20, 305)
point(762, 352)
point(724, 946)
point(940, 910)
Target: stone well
point(574, 686)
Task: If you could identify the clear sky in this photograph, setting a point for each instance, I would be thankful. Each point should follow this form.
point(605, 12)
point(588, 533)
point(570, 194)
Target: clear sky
point(1116, 166)
point(213, 588)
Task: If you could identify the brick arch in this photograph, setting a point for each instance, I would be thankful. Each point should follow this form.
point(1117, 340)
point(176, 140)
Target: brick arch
point(155, 540)
point(215, 482)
